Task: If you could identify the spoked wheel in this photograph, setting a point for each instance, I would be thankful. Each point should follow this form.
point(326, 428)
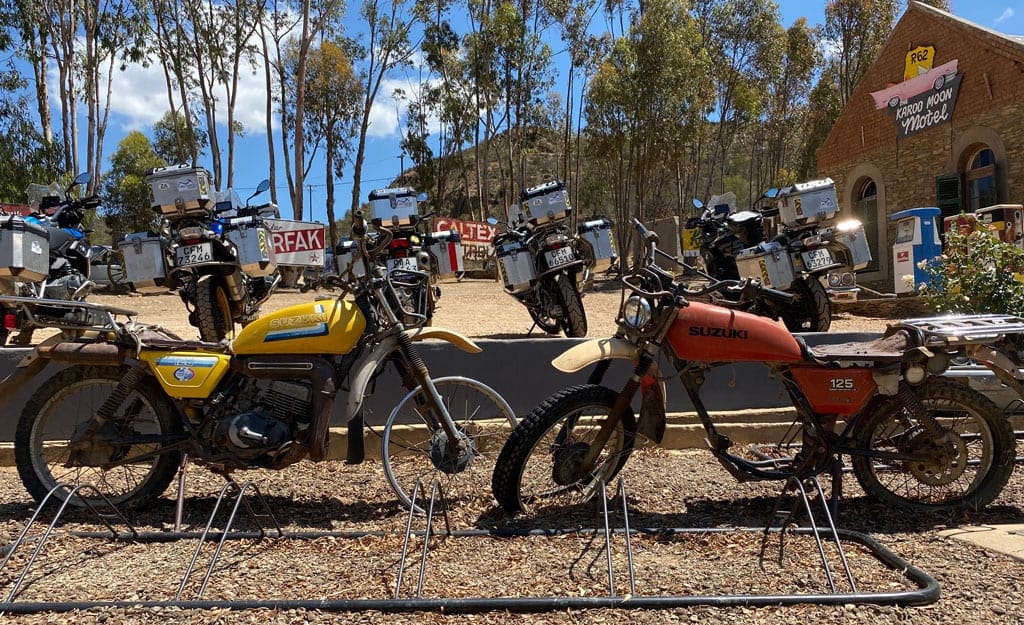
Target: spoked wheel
point(129, 474)
point(415, 448)
point(213, 311)
point(964, 467)
point(541, 463)
point(811, 311)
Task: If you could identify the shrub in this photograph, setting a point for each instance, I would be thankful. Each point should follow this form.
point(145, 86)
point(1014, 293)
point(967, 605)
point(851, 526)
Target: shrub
point(976, 273)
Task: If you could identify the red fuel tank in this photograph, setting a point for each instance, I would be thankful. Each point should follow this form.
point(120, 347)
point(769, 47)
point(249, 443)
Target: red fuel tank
point(708, 333)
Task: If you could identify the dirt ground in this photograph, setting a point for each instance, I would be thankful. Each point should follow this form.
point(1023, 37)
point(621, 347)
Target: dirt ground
point(476, 307)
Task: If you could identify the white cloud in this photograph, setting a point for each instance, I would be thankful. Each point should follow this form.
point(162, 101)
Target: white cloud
point(828, 48)
point(1007, 14)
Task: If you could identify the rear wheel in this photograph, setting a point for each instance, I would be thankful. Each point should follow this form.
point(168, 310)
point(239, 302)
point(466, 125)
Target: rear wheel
point(129, 474)
point(963, 467)
point(414, 447)
point(574, 319)
point(811, 310)
point(213, 311)
point(540, 464)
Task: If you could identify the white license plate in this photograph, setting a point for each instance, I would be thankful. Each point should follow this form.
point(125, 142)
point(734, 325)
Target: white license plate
point(193, 254)
point(817, 259)
point(403, 264)
point(559, 257)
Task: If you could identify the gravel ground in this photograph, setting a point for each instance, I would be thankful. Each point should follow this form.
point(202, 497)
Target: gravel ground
point(665, 489)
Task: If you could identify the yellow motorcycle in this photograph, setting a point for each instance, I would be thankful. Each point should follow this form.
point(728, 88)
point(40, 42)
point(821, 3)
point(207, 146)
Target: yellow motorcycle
point(137, 402)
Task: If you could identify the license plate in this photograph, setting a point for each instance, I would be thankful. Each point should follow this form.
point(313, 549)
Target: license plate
point(193, 254)
point(559, 257)
point(403, 264)
point(817, 259)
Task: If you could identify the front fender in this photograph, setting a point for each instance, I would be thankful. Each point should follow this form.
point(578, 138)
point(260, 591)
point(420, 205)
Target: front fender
point(652, 386)
point(461, 341)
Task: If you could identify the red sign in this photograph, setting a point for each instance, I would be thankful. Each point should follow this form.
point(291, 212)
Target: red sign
point(476, 239)
point(297, 243)
point(903, 257)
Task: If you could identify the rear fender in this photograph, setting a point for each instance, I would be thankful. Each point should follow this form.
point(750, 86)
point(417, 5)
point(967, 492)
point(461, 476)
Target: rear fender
point(652, 386)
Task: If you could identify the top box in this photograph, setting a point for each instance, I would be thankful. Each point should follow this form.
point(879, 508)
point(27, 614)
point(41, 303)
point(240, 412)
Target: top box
point(544, 203)
point(393, 207)
point(807, 203)
point(181, 190)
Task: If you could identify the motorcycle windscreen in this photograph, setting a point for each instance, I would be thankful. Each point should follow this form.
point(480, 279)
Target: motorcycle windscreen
point(187, 374)
point(324, 327)
point(707, 333)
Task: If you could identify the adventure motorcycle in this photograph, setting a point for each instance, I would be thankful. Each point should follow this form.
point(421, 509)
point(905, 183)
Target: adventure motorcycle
point(220, 257)
point(139, 400)
point(734, 246)
point(538, 261)
point(917, 440)
point(46, 254)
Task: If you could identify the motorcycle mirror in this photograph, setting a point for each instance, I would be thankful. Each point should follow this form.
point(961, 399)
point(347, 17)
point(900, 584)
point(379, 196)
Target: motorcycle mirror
point(260, 188)
point(697, 203)
point(82, 178)
point(493, 221)
point(422, 197)
point(770, 193)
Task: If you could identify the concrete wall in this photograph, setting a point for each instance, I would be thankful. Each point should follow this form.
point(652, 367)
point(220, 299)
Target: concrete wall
point(520, 370)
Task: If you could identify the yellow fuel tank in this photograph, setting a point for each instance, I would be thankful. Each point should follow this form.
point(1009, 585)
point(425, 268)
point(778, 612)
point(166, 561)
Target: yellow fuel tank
point(324, 327)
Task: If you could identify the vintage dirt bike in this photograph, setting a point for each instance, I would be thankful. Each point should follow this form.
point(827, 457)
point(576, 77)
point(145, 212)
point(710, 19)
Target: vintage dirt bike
point(917, 440)
point(136, 399)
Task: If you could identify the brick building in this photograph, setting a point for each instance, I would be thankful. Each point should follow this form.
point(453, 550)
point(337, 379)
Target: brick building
point(937, 120)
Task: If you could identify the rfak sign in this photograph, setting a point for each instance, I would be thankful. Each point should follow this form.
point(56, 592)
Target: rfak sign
point(927, 110)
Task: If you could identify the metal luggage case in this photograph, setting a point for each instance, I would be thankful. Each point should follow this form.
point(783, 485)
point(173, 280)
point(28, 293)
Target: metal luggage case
point(598, 234)
point(807, 203)
point(144, 264)
point(346, 255)
point(515, 266)
point(181, 191)
point(24, 249)
point(769, 262)
point(853, 247)
point(446, 248)
point(252, 243)
point(544, 203)
point(393, 207)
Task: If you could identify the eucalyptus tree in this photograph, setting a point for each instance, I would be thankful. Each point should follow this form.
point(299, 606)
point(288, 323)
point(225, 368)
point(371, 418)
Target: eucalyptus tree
point(26, 156)
point(26, 34)
point(788, 93)
point(857, 29)
point(126, 196)
point(176, 140)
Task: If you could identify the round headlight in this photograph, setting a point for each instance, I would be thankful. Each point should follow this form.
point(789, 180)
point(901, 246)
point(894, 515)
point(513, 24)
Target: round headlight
point(636, 312)
point(849, 279)
point(834, 280)
point(414, 239)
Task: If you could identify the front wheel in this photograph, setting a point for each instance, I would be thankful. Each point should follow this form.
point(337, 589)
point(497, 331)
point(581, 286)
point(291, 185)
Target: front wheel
point(963, 467)
point(213, 310)
point(811, 311)
point(124, 461)
point(414, 447)
point(541, 463)
point(574, 320)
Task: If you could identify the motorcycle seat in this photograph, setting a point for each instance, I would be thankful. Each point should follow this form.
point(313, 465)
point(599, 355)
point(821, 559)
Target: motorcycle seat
point(159, 339)
point(885, 349)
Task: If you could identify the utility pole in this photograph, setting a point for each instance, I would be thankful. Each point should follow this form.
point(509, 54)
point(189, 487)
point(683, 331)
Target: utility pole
point(309, 189)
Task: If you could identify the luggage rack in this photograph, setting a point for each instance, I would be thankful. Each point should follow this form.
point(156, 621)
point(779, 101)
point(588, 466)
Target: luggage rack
point(614, 528)
point(964, 329)
point(67, 314)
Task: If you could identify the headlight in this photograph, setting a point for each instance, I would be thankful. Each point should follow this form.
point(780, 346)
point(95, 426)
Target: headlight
point(848, 226)
point(849, 279)
point(834, 280)
point(636, 312)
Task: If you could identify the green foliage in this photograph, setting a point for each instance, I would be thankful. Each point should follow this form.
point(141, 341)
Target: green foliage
point(176, 141)
point(25, 157)
point(977, 273)
point(126, 196)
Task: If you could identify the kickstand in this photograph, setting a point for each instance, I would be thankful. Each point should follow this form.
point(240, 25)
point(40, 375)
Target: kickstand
point(179, 509)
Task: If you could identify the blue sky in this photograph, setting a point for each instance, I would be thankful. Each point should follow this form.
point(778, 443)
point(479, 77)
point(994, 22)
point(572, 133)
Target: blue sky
point(140, 100)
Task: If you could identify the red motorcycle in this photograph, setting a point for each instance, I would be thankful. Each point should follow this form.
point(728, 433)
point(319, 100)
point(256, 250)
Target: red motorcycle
point(916, 439)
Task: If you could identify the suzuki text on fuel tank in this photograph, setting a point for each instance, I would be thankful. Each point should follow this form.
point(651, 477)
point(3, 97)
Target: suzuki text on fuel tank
point(917, 440)
point(136, 398)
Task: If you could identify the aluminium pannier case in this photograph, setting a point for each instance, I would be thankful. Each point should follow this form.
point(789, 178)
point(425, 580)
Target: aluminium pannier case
point(144, 265)
point(598, 234)
point(545, 202)
point(181, 190)
point(515, 266)
point(857, 253)
point(769, 262)
point(393, 207)
point(446, 247)
point(24, 249)
point(253, 245)
point(346, 255)
point(807, 203)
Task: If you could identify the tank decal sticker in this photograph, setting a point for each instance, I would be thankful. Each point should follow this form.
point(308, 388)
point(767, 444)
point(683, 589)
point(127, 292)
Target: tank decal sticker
point(319, 329)
point(186, 361)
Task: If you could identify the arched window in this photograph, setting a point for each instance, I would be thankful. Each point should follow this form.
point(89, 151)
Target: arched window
point(981, 179)
point(865, 208)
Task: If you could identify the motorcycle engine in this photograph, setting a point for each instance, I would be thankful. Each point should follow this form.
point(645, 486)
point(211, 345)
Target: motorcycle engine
point(64, 287)
point(263, 432)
